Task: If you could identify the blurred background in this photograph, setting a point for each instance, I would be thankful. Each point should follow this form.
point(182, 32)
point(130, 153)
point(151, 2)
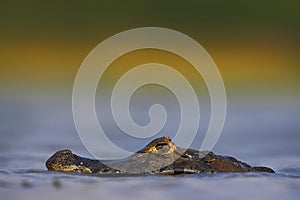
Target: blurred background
point(255, 44)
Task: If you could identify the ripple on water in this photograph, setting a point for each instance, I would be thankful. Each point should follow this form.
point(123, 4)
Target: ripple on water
point(4, 172)
point(290, 172)
point(33, 181)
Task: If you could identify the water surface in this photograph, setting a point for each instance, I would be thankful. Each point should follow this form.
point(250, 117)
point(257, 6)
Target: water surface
point(255, 132)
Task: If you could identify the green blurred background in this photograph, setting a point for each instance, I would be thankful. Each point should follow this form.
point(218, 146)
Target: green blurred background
point(255, 44)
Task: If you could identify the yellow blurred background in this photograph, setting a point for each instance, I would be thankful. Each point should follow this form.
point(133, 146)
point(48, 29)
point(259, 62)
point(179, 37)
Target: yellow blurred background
point(255, 44)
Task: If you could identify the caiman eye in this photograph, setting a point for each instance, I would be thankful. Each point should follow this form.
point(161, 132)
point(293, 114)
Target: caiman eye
point(162, 148)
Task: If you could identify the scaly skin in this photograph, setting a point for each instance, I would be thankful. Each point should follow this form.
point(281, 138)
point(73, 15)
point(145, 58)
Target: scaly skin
point(161, 156)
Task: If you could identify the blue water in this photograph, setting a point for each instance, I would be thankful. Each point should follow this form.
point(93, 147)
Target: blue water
point(259, 131)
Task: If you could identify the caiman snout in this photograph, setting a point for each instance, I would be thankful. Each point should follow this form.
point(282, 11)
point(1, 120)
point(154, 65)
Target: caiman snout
point(59, 160)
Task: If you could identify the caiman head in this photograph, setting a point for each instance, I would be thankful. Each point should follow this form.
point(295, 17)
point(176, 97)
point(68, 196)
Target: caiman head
point(150, 155)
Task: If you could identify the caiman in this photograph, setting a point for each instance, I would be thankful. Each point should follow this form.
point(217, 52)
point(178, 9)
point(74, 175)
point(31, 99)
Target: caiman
point(161, 156)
